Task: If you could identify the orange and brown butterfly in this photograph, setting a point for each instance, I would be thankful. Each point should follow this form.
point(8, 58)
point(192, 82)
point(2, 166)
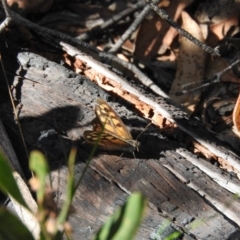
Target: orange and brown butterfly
point(109, 132)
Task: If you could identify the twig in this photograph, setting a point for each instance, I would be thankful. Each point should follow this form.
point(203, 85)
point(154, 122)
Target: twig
point(181, 31)
point(54, 37)
point(116, 18)
point(130, 30)
point(146, 81)
point(7, 21)
point(215, 79)
point(14, 108)
point(8, 18)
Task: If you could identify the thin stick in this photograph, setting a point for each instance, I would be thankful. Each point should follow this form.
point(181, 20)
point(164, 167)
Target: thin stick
point(8, 18)
point(130, 30)
point(215, 79)
point(116, 18)
point(14, 108)
point(181, 31)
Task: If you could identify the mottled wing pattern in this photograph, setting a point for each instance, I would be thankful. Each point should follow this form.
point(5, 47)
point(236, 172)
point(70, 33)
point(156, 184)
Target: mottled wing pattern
point(97, 127)
point(107, 141)
point(111, 121)
point(109, 132)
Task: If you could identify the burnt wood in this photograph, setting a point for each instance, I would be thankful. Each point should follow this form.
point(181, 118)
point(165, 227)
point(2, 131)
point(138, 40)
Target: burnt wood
point(56, 106)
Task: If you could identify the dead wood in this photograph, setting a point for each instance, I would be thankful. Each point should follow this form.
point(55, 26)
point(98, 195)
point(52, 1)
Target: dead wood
point(56, 105)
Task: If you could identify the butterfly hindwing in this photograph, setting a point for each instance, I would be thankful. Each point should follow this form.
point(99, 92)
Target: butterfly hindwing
point(107, 142)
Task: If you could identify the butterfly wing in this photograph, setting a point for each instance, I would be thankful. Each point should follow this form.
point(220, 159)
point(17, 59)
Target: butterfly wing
point(110, 121)
point(107, 141)
point(109, 132)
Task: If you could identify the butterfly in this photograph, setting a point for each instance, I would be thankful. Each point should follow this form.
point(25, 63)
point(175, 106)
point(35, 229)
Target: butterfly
point(109, 132)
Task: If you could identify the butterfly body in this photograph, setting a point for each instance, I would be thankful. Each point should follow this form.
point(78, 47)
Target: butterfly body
point(109, 132)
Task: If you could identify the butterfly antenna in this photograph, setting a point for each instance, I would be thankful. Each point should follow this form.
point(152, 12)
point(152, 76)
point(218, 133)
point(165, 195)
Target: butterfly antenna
point(143, 130)
point(121, 154)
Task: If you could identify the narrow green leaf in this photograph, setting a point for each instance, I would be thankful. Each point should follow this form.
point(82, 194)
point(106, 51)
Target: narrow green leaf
point(38, 164)
point(8, 184)
point(174, 235)
point(11, 228)
point(70, 188)
point(124, 222)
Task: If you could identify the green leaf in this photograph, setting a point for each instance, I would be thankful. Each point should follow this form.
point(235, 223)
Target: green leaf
point(11, 228)
point(124, 222)
point(70, 188)
point(38, 164)
point(8, 184)
point(174, 236)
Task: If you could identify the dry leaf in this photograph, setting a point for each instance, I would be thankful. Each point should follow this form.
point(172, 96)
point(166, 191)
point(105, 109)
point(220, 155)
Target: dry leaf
point(236, 115)
point(191, 65)
point(220, 31)
point(155, 35)
point(77, 18)
point(217, 64)
point(219, 11)
point(29, 6)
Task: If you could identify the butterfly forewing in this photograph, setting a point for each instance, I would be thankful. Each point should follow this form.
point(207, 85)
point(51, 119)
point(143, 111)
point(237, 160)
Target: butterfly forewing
point(109, 132)
point(111, 121)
